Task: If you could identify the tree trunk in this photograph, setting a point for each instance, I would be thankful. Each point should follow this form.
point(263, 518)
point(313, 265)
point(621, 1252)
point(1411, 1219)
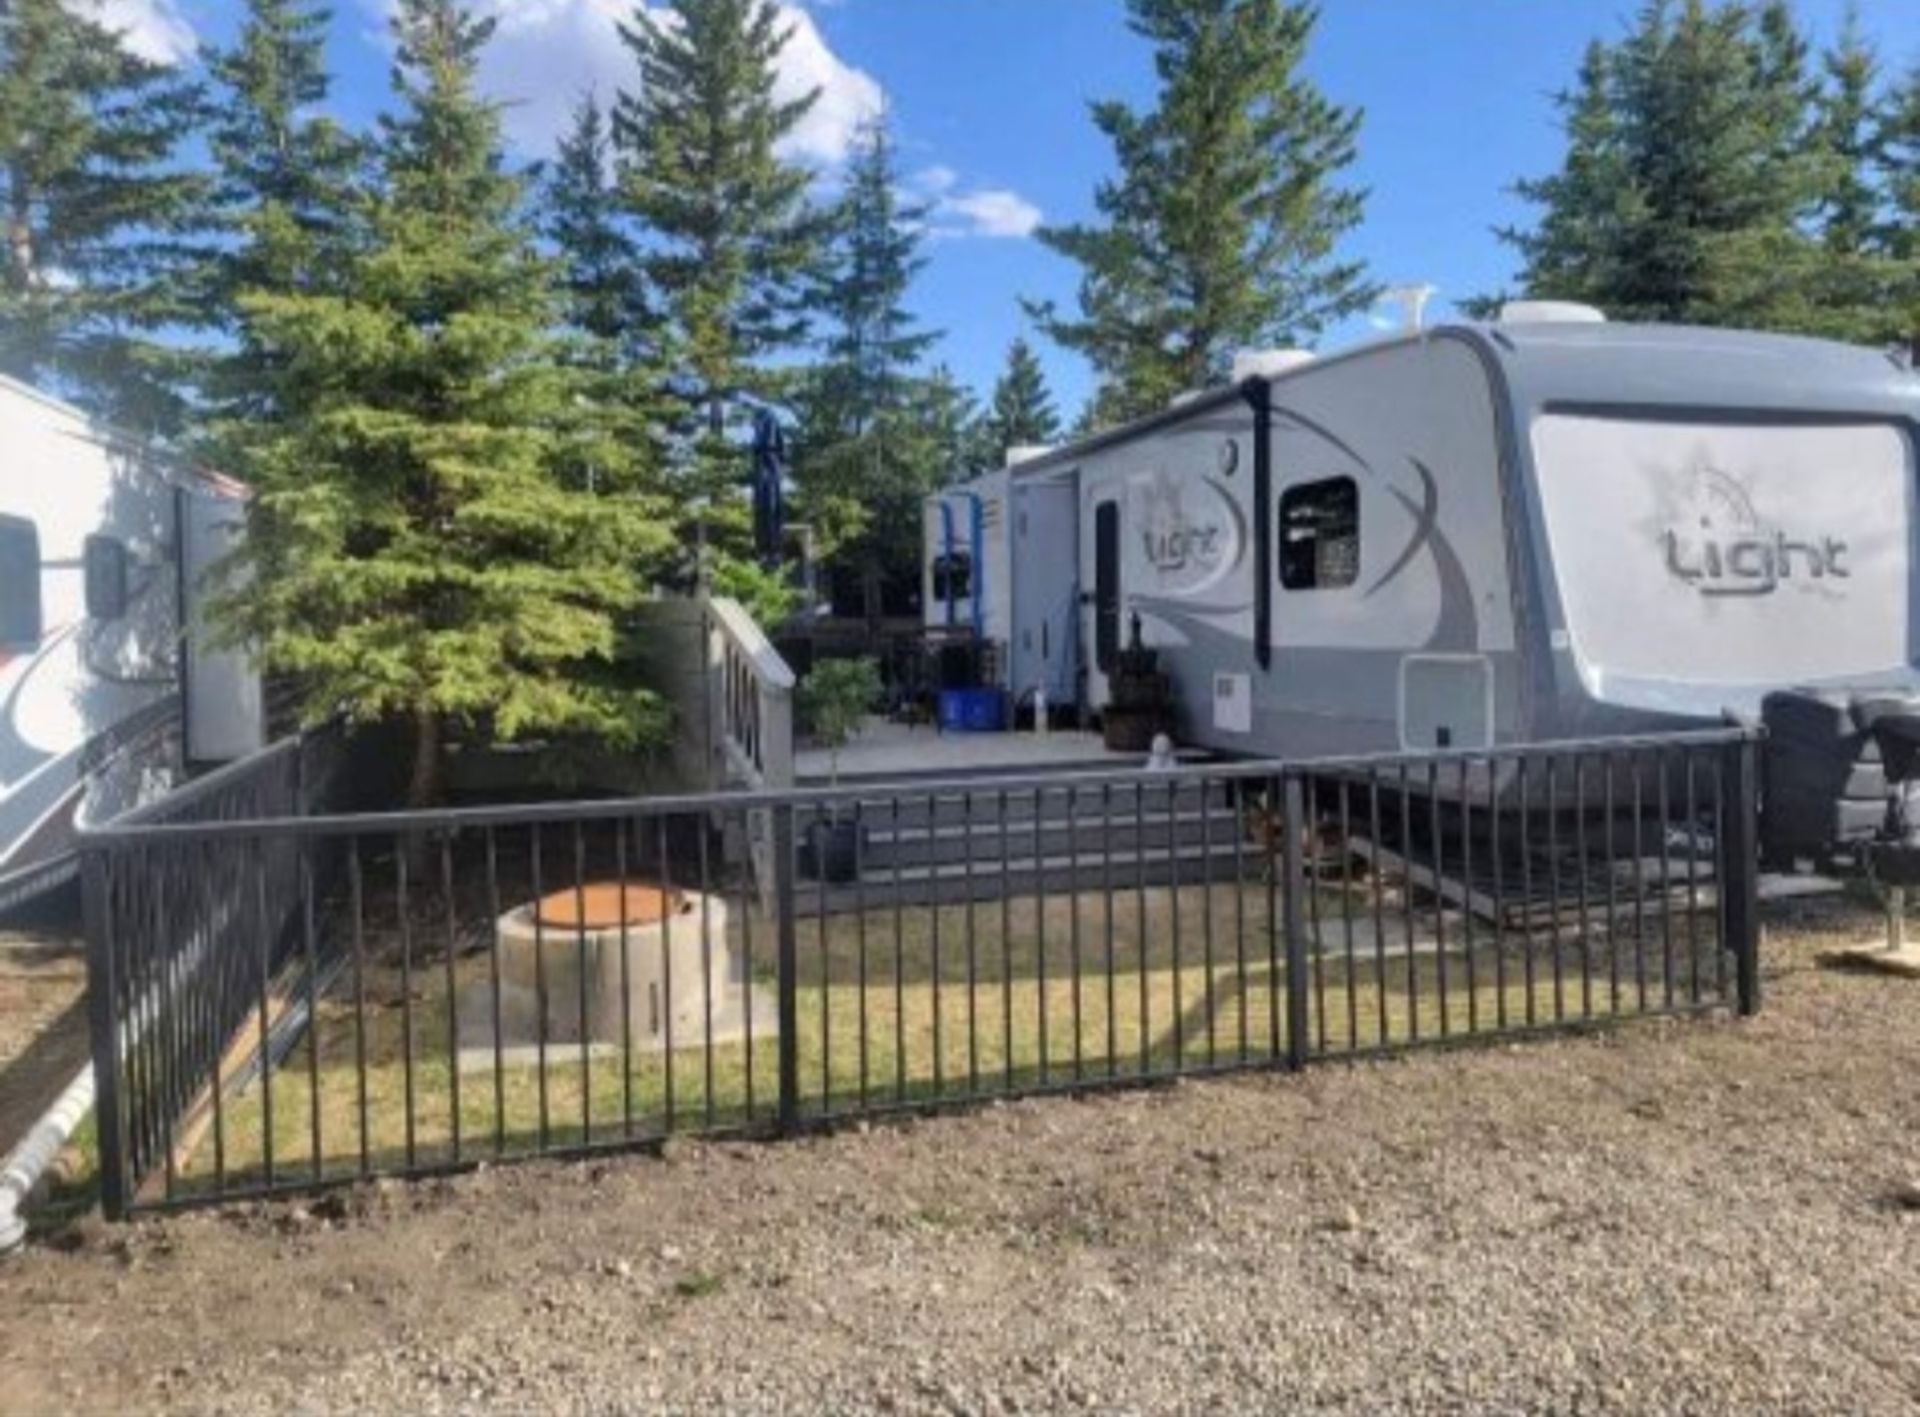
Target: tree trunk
point(424, 786)
point(20, 252)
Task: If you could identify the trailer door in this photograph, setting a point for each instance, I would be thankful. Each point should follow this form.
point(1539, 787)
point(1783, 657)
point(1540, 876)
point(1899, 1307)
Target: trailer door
point(1045, 566)
point(1106, 589)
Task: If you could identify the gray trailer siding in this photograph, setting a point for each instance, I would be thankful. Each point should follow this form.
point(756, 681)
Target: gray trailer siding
point(1679, 376)
point(1456, 618)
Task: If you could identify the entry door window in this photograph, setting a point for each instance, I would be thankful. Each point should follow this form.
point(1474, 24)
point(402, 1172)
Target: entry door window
point(19, 584)
point(1106, 584)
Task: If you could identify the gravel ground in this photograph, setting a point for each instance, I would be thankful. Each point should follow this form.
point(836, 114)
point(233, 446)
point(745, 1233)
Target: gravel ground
point(1697, 1217)
point(43, 1025)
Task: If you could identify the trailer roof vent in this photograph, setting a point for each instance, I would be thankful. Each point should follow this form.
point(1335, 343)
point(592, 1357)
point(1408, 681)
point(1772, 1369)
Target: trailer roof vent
point(1027, 452)
point(1550, 312)
point(1268, 363)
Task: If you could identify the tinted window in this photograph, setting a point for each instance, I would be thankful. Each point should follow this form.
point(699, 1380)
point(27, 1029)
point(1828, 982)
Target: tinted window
point(106, 570)
point(19, 583)
point(952, 577)
point(1320, 535)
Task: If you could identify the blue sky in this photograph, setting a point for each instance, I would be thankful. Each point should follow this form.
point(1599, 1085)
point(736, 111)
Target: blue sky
point(989, 98)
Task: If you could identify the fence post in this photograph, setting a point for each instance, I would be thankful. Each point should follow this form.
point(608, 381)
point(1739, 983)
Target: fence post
point(1293, 818)
point(103, 997)
point(789, 968)
point(1739, 870)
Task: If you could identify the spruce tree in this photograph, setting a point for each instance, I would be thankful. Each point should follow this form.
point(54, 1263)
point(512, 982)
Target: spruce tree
point(1692, 175)
point(949, 418)
point(611, 337)
point(728, 233)
point(1222, 227)
point(869, 341)
point(861, 467)
point(416, 552)
point(1022, 410)
point(101, 216)
point(599, 260)
point(1898, 148)
point(1853, 285)
point(285, 195)
point(1847, 139)
point(1575, 251)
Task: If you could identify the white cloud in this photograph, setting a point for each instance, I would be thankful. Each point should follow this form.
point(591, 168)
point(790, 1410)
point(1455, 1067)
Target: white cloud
point(153, 29)
point(936, 181)
point(848, 96)
point(952, 212)
point(991, 211)
point(547, 53)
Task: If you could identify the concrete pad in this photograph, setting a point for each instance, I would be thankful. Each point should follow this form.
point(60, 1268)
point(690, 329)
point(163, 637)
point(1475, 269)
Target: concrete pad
point(1875, 955)
point(1774, 886)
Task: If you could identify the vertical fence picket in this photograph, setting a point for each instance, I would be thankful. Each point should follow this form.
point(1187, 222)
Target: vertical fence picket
point(1739, 871)
point(788, 948)
point(104, 980)
point(1294, 889)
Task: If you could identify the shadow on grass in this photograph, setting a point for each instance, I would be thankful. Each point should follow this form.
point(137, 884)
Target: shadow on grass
point(911, 1040)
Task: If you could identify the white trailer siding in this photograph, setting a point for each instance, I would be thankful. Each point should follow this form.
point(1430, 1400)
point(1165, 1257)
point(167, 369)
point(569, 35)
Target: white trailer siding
point(967, 571)
point(1182, 499)
point(1762, 551)
point(1405, 638)
point(89, 702)
point(1409, 644)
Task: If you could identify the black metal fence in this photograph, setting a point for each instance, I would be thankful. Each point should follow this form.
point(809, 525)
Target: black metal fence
point(282, 1002)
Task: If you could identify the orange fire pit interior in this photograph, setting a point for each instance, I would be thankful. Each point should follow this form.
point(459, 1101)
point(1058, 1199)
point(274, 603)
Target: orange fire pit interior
point(607, 905)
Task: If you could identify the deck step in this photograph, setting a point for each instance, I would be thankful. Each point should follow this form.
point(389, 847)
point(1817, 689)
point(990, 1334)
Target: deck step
point(986, 843)
point(949, 882)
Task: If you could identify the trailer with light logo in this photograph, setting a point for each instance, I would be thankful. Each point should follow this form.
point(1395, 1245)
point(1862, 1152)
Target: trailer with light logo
point(1549, 527)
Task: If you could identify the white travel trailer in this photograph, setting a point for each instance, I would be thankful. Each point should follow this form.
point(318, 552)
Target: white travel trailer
point(1545, 528)
point(107, 694)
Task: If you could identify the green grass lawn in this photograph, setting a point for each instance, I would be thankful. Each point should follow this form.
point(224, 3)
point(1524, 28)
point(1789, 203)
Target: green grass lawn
point(919, 1007)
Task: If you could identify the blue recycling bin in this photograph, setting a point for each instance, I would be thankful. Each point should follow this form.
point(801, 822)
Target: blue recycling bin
point(973, 711)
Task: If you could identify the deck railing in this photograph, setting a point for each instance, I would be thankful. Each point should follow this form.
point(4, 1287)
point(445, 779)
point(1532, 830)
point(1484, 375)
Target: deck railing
point(289, 1002)
point(752, 710)
point(164, 1015)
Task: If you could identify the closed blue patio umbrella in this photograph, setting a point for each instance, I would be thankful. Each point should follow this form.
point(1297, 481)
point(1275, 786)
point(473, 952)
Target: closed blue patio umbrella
point(769, 486)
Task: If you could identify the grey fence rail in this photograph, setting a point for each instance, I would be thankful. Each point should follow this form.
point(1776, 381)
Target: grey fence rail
point(283, 1001)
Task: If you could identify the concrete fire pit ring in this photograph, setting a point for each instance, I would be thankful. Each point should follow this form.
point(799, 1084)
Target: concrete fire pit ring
point(656, 964)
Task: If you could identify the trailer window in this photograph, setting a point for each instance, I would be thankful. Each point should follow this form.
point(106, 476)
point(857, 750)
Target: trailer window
point(105, 560)
point(953, 577)
point(19, 584)
point(1320, 535)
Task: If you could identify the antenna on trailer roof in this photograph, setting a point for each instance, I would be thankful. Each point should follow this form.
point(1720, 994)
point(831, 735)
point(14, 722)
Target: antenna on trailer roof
point(1411, 303)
